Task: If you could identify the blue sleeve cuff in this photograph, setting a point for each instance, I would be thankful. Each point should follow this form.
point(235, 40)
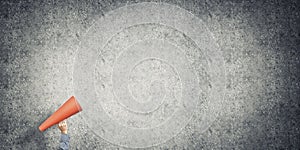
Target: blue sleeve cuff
point(64, 142)
point(64, 138)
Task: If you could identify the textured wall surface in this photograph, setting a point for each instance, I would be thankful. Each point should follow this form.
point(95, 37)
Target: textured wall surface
point(167, 74)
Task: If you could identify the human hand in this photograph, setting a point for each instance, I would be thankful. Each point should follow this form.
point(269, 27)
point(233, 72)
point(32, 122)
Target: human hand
point(63, 127)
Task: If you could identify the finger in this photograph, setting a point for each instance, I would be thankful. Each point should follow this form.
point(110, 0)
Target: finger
point(65, 123)
point(60, 124)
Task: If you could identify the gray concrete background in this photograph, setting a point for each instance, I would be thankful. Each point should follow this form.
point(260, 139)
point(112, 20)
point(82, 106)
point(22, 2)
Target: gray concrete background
point(259, 41)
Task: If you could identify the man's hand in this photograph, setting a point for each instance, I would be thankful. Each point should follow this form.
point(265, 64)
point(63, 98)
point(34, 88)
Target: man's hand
point(63, 127)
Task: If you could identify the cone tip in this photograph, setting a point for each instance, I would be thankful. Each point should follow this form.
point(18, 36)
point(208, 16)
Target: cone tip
point(40, 128)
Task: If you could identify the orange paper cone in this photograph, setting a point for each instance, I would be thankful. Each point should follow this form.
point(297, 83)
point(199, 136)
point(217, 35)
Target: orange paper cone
point(69, 108)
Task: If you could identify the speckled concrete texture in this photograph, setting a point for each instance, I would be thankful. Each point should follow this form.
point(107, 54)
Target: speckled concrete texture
point(44, 45)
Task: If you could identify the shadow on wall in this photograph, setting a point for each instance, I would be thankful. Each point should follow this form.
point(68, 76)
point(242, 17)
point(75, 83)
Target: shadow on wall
point(32, 138)
point(16, 133)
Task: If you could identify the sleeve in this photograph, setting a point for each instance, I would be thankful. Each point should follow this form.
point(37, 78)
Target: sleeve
point(64, 142)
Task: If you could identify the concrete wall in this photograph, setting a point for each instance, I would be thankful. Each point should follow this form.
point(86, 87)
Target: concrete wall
point(160, 75)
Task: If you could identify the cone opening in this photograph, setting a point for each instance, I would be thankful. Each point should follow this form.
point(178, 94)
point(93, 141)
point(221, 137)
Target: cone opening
point(77, 104)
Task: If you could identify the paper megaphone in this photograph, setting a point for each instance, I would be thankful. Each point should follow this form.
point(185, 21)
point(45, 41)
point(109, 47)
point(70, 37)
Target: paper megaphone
point(69, 108)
